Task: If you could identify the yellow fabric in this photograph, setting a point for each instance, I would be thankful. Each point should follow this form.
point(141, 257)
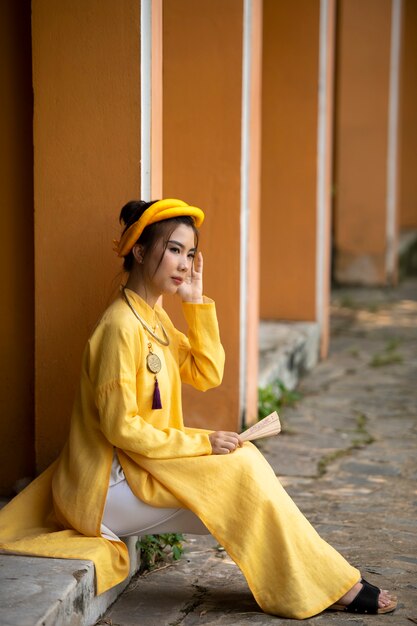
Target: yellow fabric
point(291, 571)
point(161, 210)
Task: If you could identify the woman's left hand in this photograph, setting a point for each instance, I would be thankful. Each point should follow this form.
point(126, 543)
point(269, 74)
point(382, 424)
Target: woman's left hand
point(191, 289)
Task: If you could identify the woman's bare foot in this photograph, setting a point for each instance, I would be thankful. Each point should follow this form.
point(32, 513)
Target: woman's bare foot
point(384, 599)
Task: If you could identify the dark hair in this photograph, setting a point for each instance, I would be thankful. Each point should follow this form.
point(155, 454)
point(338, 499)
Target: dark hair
point(130, 214)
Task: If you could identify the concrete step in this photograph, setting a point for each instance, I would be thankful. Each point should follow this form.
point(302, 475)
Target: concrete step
point(286, 351)
point(407, 253)
point(37, 591)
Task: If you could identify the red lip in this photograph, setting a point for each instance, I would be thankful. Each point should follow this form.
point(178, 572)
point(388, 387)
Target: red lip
point(177, 280)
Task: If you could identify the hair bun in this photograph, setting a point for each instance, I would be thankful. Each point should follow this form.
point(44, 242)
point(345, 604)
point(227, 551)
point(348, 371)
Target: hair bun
point(132, 211)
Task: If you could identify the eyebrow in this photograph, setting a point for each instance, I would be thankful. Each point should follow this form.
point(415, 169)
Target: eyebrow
point(181, 245)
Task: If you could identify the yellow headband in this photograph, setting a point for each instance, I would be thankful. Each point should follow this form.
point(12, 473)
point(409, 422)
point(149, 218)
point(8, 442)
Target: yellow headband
point(158, 211)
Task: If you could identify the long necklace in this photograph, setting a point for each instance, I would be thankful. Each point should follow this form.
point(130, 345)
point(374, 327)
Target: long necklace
point(153, 362)
point(165, 340)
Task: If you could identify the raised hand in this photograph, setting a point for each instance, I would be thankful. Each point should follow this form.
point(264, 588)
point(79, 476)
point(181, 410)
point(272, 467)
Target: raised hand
point(191, 289)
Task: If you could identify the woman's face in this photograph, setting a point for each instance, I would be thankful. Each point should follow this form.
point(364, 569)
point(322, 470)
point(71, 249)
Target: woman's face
point(166, 275)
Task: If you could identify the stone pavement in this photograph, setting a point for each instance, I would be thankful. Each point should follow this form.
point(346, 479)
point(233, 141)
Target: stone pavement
point(348, 457)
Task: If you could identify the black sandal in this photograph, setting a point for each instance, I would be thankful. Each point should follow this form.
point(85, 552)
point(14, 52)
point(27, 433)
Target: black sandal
point(366, 601)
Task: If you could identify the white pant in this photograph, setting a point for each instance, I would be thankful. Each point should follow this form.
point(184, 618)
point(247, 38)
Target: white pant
point(125, 515)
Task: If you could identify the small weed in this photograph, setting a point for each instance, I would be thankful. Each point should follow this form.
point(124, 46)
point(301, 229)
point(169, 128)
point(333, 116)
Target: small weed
point(361, 429)
point(274, 397)
point(392, 345)
point(157, 548)
point(364, 439)
point(329, 458)
point(354, 352)
point(361, 420)
point(388, 356)
point(346, 302)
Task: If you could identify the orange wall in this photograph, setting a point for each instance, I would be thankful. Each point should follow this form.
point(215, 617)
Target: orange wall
point(202, 142)
point(407, 183)
point(86, 76)
point(289, 159)
point(364, 34)
point(16, 249)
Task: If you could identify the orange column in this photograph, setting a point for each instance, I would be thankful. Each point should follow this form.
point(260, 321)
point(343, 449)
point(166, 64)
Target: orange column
point(365, 203)
point(86, 77)
point(407, 184)
point(16, 249)
point(205, 120)
point(297, 100)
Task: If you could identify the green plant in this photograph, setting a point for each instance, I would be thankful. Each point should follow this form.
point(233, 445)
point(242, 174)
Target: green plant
point(274, 397)
point(364, 439)
point(379, 360)
point(388, 356)
point(329, 458)
point(347, 302)
point(155, 549)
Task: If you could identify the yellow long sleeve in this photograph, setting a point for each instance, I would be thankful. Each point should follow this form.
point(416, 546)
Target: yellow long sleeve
point(118, 406)
point(202, 366)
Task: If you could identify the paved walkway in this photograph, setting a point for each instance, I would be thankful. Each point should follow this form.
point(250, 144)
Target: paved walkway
point(348, 456)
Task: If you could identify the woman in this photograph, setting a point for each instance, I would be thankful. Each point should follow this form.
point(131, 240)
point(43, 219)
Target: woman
point(131, 467)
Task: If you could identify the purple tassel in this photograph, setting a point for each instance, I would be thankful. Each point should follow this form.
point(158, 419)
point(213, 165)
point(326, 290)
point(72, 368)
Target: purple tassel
point(156, 401)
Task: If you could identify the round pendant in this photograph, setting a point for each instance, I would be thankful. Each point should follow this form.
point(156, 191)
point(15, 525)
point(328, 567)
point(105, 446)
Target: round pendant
point(153, 363)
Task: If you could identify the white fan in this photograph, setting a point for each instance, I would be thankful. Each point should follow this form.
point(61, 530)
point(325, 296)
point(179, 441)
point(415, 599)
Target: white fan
point(267, 427)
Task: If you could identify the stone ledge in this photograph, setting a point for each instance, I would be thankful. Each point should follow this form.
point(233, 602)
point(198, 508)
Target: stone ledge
point(407, 252)
point(286, 351)
point(38, 591)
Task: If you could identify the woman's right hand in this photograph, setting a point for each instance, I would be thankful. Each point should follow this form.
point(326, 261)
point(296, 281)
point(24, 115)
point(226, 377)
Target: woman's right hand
point(223, 442)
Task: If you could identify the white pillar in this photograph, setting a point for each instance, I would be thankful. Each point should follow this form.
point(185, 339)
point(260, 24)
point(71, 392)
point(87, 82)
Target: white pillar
point(151, 99)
